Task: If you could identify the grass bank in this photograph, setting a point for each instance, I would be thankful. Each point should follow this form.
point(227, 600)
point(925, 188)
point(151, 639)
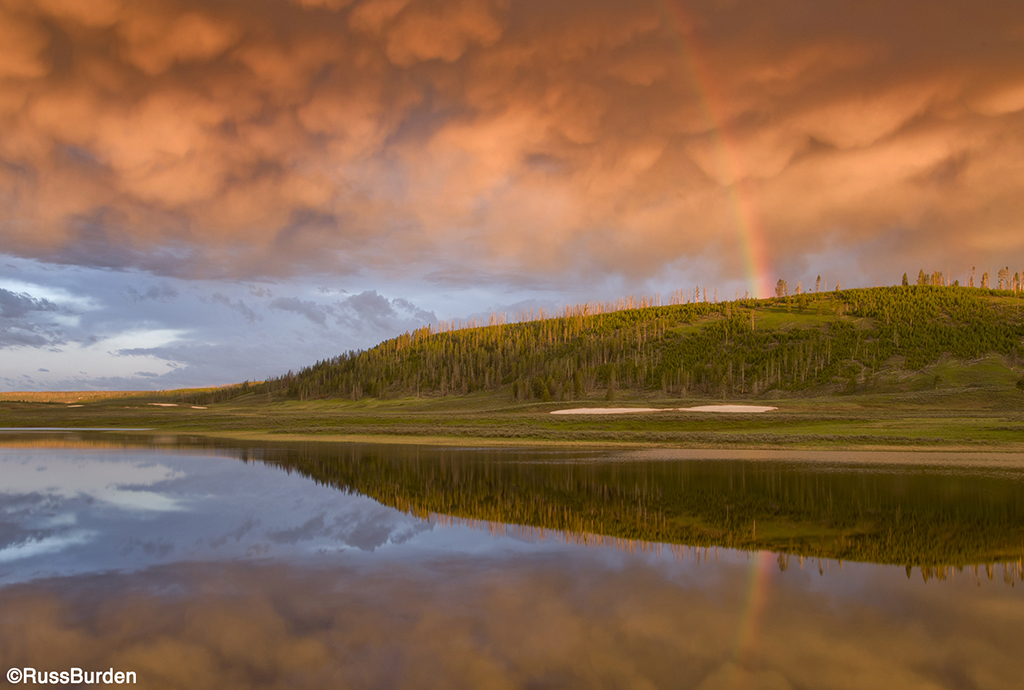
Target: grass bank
point(979, 418)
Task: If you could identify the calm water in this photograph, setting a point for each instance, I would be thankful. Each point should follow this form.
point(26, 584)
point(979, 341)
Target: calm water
point(360, 566)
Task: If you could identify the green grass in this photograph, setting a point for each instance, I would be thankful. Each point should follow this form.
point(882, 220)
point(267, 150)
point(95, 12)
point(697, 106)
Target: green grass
point(988, 416)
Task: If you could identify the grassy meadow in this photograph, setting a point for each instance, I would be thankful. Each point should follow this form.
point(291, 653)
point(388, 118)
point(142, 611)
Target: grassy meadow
point(979, 417)
point(907, 367)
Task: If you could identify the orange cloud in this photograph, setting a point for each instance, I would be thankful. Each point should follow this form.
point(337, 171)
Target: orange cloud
point(155, 42)
point(525, 138)
point(334, 5)
point(21, 48)
point(440, 31)
point(93, 13)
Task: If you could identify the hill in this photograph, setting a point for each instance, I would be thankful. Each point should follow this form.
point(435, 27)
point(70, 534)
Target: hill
point(856, 340)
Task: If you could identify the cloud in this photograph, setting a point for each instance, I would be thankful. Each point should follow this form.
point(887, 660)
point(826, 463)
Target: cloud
point(419, 31)
point(371, 310)
point(21, 48)
point(160, 292)
point(93, 13)
point(316, 313)
point(238, 305)
point(79, 328)
point(20, 323)
point(155, 42)
point(14, 306)
point(562, 143)
point(367, 311)
point(324, 4)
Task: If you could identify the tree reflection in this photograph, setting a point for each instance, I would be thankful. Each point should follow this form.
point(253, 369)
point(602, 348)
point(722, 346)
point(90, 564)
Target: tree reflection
point(915, 516)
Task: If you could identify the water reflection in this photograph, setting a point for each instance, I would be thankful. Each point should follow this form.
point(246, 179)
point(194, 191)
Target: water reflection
point(922, 516)
point(71, 508)
point(533, 622)
point(414, 567)
point(191, 499)
point(1008, 572)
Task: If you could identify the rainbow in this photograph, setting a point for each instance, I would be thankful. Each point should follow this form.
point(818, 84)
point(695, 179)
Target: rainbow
point(741, 198)
point(756, 594)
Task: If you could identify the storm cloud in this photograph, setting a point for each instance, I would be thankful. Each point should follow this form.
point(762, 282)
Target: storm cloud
point(214, 162)
point(217, 139)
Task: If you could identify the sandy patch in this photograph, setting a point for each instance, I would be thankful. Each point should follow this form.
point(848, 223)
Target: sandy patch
point(198, 407)
point(699, 408)
point(163, 404)
point(76, 406)
point(728, 408)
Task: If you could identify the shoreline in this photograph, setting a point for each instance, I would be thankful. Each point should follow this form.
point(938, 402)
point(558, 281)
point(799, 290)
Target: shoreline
point(1001, 455)
point(714, 409)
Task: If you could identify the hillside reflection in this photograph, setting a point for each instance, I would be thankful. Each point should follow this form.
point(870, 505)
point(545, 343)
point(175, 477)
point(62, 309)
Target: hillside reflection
point(1008, 572)
point(927, 517)
point(939, 519)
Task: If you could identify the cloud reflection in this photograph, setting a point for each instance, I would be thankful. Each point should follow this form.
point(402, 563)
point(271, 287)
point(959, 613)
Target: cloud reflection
point(120, 483)
point(75, 511)
point(532, 622)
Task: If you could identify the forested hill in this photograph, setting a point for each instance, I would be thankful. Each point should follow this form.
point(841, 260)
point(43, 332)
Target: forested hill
point(813, 342)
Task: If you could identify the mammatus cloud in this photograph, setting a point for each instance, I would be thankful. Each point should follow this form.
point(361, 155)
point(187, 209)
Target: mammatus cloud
point(419, 137)
point(574, 625)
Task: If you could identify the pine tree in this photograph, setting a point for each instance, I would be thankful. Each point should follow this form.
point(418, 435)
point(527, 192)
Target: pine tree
point(905, 281)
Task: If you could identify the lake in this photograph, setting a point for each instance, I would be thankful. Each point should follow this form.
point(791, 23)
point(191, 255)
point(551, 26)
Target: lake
point(198, 564)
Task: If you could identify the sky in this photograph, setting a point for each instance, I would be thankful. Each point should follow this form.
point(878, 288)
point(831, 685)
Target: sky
point(197, 193)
